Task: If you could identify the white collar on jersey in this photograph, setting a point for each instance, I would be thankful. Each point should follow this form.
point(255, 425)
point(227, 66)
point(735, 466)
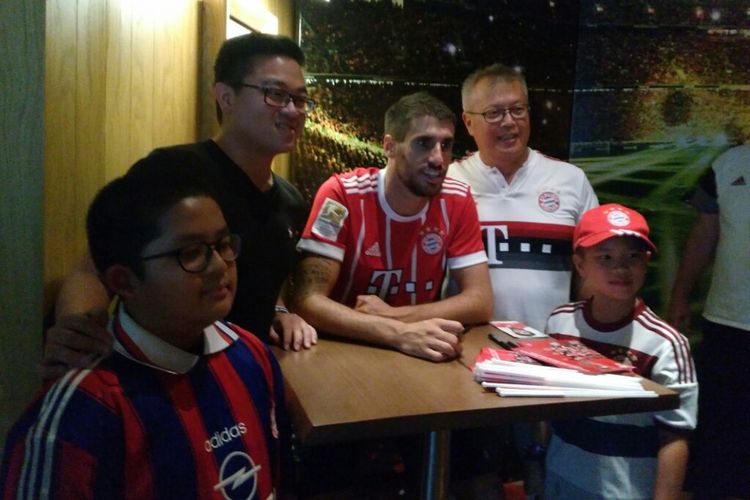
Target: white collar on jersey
point(518, 174)
point(136, 343)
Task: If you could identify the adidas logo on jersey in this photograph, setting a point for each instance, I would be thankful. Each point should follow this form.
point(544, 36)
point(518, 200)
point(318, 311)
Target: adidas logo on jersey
point(220, 438)
point(739, 181)
point(374, 250)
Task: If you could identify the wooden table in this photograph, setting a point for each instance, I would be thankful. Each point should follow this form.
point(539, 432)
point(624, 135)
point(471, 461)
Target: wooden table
point(343, 391)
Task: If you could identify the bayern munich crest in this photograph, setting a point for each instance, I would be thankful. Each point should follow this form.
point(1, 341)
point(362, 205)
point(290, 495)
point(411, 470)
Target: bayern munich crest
point(432, 240)
point(618, 218)
point(549, 201)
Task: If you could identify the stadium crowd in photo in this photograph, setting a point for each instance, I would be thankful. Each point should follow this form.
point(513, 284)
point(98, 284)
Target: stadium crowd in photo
point(642, 95)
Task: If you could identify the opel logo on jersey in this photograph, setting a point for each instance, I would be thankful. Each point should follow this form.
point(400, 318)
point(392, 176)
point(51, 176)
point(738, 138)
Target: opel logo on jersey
point(238, 477)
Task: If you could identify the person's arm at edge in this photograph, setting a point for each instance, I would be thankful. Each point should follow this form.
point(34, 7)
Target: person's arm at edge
point(471, 306)
point(698, 255)
point(81, 291)
point(79, 332)
point(313, 282)
point(671, 463)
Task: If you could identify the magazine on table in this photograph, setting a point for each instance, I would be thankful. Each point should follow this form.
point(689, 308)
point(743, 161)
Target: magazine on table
point(563, 353)
point(492, 353)
point(533, 364)
point(511, 373)
point(572, 354)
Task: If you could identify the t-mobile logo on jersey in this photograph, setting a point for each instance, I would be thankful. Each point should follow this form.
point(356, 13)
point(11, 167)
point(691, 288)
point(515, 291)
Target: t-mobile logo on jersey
point(385, 282)
point(528, 246)
point(493, 237)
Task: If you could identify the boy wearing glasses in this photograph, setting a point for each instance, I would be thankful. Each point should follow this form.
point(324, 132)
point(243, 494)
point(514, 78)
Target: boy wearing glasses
point(634, 456)
point(261, 104)
point(187, 405)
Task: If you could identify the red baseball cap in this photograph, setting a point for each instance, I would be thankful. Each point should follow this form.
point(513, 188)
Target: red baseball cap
point(608, 221)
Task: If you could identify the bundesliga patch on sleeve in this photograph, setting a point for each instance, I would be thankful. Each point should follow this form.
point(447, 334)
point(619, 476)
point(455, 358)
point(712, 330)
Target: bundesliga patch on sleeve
point(330, 220)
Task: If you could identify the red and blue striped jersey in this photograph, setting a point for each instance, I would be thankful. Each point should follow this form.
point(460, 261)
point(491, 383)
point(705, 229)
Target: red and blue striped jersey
point(153, 421)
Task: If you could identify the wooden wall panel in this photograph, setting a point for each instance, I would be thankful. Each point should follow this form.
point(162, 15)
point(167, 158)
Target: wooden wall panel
point(122, 80)
point(166, 71)
point(188, 53)
point(90, 90)
point(213, 31)
point(143, 79)
point(60, 215)
point(175, 95)
point(119, 99)
point(284, 11)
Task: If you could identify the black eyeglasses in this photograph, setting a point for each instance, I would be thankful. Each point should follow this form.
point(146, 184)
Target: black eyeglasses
point(194, 258)
point(280, 98)
point(494, 115)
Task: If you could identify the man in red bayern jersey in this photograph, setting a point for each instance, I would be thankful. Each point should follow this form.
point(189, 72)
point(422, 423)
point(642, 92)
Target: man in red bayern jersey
point(379, 241)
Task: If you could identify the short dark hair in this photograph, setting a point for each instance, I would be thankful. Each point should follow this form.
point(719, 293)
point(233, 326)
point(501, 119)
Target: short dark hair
point(124, 216)
point(238, 56)
point(399, 116)
point(495, 73)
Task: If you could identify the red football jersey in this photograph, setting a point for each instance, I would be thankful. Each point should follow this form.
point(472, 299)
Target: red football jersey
point(401, 259)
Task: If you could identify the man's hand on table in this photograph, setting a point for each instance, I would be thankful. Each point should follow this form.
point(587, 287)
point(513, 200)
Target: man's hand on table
point(290, 331)
point(433, 339)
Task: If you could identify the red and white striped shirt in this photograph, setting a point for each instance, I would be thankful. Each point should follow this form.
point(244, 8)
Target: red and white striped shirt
point(618, 452)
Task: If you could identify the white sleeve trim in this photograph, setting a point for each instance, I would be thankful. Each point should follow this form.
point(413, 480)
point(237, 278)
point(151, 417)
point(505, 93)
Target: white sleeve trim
point(468, 260)
point(320, 248)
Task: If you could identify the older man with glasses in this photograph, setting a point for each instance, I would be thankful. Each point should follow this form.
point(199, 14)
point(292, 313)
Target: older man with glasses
point(528, 203)
point(261, 104)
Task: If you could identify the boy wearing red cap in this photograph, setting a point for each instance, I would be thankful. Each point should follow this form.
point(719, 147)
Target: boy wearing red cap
point(621, 456)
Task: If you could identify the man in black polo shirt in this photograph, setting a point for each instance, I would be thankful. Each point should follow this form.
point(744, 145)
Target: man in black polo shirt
point(261, 103)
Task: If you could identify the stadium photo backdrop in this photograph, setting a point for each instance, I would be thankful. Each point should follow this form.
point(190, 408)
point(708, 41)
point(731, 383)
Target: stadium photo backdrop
point(641, 95)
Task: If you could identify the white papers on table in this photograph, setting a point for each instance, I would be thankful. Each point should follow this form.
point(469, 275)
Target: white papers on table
point(520, 379)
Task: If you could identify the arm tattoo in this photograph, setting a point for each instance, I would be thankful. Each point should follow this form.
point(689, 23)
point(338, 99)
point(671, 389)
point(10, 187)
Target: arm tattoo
point(312, 276)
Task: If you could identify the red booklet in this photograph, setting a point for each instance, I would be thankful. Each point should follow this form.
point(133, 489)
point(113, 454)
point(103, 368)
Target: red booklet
point(488, 353)
point(570, 353)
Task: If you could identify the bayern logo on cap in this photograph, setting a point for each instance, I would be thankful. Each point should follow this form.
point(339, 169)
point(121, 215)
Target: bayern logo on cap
point(618, 218)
